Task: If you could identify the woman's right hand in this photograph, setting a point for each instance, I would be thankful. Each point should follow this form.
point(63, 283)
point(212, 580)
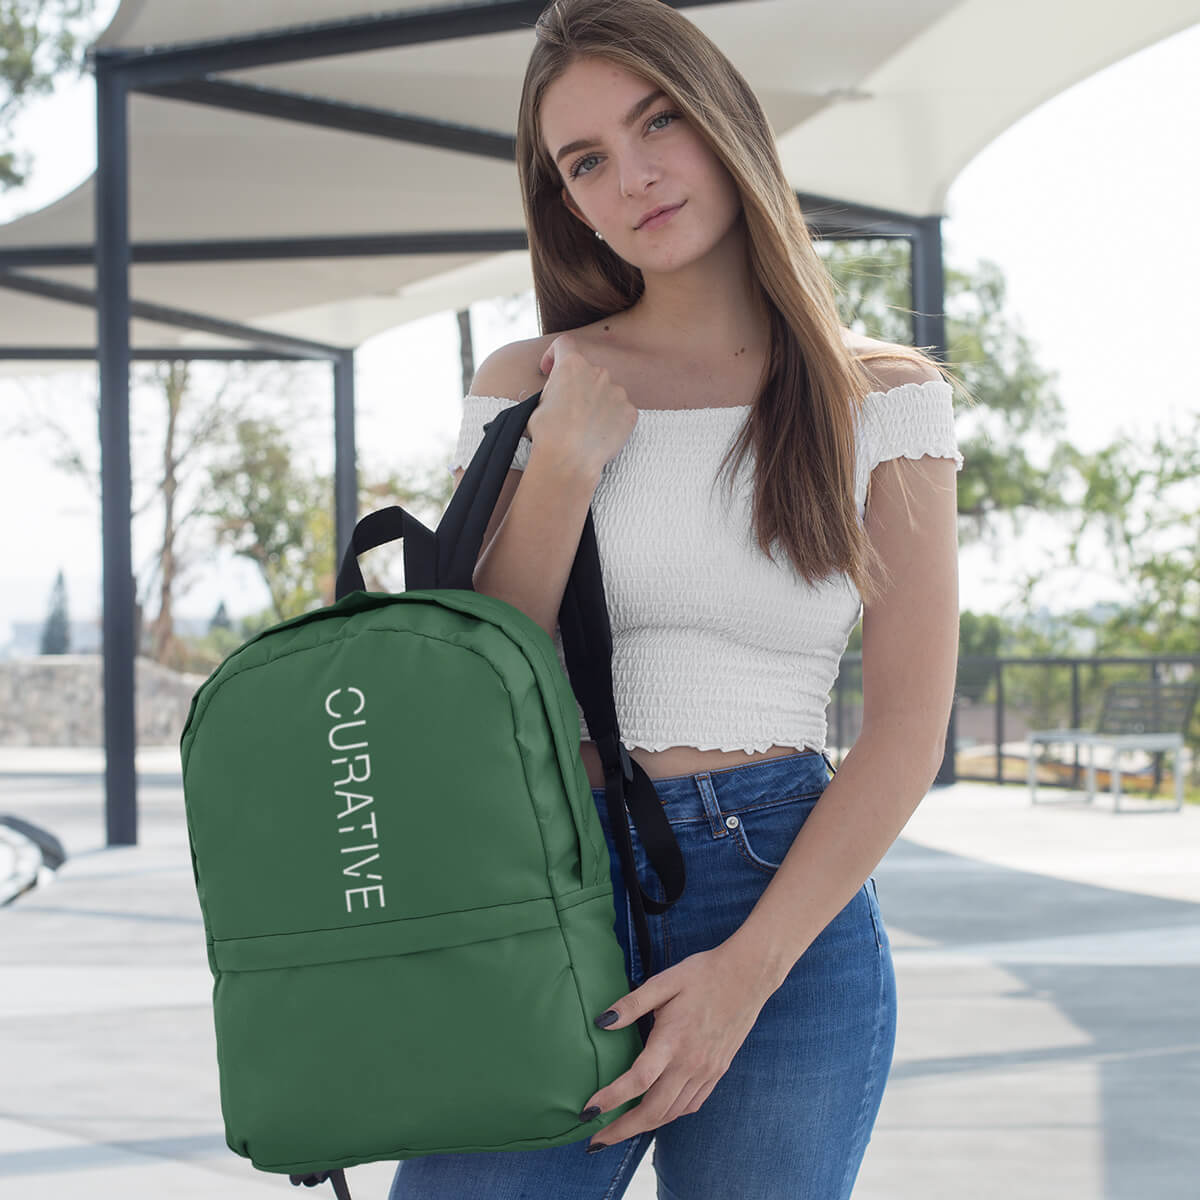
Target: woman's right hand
point(582, 414)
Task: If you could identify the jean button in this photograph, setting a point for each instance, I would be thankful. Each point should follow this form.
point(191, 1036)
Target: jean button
point(732, 822)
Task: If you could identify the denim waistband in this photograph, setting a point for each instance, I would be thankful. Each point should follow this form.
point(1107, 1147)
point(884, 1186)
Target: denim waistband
point(728, 789)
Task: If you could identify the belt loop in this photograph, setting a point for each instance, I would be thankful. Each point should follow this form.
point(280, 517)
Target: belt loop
point(712, 806)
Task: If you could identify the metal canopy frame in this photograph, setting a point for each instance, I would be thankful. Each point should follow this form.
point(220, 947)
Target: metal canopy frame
point(185, 72)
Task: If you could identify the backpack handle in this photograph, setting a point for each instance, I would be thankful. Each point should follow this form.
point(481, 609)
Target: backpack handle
point(387, 525)
point(445, 559)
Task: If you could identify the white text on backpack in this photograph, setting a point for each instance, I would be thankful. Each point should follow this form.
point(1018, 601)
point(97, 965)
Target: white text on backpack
point(359, 806)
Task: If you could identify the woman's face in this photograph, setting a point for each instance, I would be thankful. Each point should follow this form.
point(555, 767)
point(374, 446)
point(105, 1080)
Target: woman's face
point(625, 170)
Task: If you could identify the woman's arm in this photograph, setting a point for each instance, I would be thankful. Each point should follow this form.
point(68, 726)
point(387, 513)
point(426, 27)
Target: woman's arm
point(910, 657)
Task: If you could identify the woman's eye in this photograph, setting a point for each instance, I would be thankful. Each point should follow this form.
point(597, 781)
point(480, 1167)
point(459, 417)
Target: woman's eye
point(575, 169)
point(579, 162)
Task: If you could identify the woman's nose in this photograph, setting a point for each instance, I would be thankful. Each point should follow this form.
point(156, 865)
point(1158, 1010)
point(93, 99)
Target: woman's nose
point(637, 172)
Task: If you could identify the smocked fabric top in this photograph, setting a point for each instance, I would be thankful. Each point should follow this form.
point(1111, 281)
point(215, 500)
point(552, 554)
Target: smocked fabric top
point(715, 646)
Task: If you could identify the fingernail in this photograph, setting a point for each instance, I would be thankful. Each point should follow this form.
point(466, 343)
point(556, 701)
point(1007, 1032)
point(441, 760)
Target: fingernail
point(596, 1146)
point(606, 1019)
point(590, 1112)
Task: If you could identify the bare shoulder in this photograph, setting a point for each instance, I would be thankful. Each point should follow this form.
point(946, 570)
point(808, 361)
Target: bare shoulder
point(514, 370)
point(896, 373)
point(511, 371)
point(894, 365)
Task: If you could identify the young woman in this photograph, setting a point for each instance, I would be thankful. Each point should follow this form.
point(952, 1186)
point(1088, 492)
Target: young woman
point(676, 343)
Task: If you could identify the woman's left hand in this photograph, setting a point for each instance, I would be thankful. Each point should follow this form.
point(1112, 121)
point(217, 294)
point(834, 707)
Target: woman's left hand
point(704, 1007)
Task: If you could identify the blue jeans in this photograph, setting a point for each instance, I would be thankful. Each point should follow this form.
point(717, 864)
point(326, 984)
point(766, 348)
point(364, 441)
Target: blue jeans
point(792, 1115)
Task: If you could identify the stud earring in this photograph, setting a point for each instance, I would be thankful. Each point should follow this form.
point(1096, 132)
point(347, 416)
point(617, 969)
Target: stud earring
point(599, 235)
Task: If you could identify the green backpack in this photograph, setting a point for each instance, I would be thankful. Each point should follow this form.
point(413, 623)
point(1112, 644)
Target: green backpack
point(404, 882)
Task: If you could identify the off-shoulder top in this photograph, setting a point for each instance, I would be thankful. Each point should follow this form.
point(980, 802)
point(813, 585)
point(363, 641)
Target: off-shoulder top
point(715, 646)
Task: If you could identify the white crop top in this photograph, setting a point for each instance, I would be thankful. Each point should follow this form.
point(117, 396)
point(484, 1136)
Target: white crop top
point(715, 646)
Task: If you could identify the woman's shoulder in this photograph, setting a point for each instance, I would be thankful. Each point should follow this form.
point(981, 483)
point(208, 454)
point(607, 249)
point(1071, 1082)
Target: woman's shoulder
point(890, 365)
point(512, 371)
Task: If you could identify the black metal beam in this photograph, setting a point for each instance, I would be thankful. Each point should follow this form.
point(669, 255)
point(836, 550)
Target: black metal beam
point(264, 339)
point(366, 245)
point(345, 457)
point(929, 287)
point(328, 39)
point(112, 339)
point(337, 114)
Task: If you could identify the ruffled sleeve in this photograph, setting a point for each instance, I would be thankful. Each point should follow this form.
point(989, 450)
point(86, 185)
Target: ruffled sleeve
point(476, 412)
point(910, 421)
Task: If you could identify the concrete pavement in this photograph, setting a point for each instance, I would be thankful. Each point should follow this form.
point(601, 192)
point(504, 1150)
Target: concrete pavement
point(1048, 964)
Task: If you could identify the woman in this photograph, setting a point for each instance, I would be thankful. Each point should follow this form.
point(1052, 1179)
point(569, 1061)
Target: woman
point(715, 329)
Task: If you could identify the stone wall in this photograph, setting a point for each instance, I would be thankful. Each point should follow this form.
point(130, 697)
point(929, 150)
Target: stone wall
point(57, 700)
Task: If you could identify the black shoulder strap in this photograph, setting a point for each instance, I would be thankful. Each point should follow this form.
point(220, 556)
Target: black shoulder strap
point(587, 647)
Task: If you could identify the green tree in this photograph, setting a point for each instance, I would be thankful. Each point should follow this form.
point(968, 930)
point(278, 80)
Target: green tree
point(270, 510)
point(1142, 495)
point(40, 42)
point(984, 635)
point(220, 619)
point(266, 510)
point(56, 632)
point(181, 415)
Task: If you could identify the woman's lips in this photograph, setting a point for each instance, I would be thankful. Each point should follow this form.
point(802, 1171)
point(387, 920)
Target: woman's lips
point(662, 218)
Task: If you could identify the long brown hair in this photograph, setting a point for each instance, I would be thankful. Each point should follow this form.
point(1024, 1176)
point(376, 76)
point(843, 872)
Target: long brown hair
point(803, 421)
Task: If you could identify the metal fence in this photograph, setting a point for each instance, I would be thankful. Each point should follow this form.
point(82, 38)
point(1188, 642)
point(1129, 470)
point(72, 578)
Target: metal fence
point(998, 700)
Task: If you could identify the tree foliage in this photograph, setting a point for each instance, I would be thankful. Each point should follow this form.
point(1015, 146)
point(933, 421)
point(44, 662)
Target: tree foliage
point(268, 510)
point(41, 41)
point(1142, 495)
point(271, 510)
point(181, 415)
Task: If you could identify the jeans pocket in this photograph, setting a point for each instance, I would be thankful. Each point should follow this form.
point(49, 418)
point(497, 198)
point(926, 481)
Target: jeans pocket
point(764, 833)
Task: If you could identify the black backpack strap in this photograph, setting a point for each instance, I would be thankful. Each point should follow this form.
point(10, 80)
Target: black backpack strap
point(461, 530)
point(337, 1178)
point(587, 647)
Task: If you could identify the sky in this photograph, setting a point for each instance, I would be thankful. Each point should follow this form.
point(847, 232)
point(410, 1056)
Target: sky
point(1053, 201)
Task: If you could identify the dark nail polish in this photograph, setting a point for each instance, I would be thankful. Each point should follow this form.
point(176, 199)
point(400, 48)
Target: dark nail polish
point(606, 1019)
point(596, 1146)
point(589, 1113)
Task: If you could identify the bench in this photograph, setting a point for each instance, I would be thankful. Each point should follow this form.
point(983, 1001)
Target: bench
point(1134, 715)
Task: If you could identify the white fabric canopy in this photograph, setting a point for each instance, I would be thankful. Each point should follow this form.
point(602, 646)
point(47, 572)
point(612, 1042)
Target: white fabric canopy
point(874, 103)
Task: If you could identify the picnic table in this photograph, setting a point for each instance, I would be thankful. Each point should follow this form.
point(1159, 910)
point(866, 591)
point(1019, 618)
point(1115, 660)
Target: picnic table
point(1134, 715)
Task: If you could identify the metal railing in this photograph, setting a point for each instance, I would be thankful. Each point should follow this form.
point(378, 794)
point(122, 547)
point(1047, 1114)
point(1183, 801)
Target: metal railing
point(998, 699)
